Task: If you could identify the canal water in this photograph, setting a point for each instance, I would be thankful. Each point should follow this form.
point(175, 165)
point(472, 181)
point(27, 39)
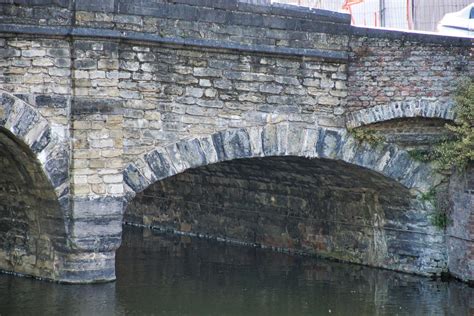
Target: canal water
point(162, 274)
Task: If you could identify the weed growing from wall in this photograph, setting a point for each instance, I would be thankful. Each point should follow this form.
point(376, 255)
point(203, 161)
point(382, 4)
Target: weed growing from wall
point(366, 135)
point(420, 155)
point(458, 150)
point(439, 217)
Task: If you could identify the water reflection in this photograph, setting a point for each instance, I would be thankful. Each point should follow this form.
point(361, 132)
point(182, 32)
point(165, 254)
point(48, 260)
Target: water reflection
point(173, 275)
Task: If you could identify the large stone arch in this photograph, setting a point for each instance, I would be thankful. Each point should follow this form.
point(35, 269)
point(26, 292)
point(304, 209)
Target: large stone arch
point(282, 139)
point(401, 179)
point(34, 163)
point(396, 110)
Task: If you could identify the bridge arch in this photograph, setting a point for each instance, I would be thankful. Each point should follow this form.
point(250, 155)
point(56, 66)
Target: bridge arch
point(25, 123)
point(33, 190)
point(283, 165)
point(282, 139)
point(397, 110)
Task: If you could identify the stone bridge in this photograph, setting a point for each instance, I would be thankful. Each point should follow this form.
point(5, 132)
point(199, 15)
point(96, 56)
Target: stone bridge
point(226, 119)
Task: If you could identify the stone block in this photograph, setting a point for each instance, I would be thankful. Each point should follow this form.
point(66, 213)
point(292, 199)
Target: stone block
point(95, 6)
point(57, 167)
point(134, 179)
point(85, 63)
point(329, 143)
point(160, 163)
point(235, 144)
point(191, 153)
point(52, 101)
point(207, 146)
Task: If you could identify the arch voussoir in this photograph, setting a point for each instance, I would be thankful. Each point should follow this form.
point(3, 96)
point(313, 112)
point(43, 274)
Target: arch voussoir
point(422, 108)
point(6, 104)
point(134, 179)
point(39, 136)
point(399, 165)
point(275, 139)
point(24, 121)
point(328, 143)
point(280, 139)
point(159, 165)
point(256, 144)
point(295, 139)
point(364, 155)
point(308, 148)
point(26, 124)
point(232, 144)
point(208, 149)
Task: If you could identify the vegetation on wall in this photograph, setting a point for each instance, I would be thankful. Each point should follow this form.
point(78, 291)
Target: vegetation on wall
point(366, 135)
point(457, 150)
point(439, 217)
point(422, 155)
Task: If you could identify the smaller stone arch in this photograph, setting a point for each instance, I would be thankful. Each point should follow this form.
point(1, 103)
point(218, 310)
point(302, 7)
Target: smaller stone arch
point(282, 139)
point(408, 109)
point(26, 124)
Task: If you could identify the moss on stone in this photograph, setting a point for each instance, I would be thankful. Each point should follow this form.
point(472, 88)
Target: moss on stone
point(364, 135)
point(420, 155)
point(439, 216)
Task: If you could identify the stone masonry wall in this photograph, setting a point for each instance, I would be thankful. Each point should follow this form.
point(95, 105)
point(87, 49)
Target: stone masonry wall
point(175, 94)
point(39, 72)
point(237, 23)
point(460, 230)
point(404, 70)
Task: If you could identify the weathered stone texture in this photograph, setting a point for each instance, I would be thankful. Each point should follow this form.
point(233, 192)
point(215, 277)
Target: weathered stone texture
point(460, 232)
point(31, 220)
point(37, 12)
point(38, 71)
point(97, 155)
point(383, 71)
point(248, 28)
point(174, 94)
point(411, 133)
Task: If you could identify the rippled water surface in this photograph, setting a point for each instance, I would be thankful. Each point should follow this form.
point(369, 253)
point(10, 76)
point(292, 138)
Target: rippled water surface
point(174, 275)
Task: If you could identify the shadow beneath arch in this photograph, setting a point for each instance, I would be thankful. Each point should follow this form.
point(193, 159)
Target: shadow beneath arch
point(31, 220)
point(319, 206)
